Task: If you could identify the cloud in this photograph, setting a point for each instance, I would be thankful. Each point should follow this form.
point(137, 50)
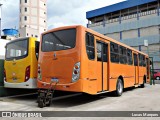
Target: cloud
point(10, 14)
point(60, 12)
point(71, 12)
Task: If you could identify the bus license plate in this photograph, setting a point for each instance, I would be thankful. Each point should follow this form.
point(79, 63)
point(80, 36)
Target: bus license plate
point(54, 80)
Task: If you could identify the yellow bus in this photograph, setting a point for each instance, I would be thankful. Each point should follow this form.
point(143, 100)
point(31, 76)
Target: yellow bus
point(79, 59)
point(21, 60)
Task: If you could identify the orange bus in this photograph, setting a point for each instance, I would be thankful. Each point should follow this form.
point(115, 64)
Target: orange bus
point(79, 59)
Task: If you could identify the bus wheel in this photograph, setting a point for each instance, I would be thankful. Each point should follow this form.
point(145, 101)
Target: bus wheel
point(119, 88)
point(143, 85)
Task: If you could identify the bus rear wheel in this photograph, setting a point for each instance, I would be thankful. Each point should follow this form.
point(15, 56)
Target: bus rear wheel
point(119, 88)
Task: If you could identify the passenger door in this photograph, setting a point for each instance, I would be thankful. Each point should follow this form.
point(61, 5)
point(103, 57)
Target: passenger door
point(136, 67)
point(102, 66)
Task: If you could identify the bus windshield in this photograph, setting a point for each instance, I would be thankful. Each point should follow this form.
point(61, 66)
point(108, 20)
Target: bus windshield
point(59, 40)
point(17, 49)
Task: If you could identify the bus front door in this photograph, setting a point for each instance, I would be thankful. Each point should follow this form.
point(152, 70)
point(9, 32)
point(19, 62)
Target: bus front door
point(136, 69)
point(102, 66)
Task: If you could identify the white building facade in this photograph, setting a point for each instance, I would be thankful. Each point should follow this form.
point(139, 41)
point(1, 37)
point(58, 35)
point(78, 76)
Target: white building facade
point(33, 18)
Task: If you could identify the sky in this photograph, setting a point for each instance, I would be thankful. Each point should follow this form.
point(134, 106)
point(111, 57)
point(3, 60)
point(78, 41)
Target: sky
point(59, 12)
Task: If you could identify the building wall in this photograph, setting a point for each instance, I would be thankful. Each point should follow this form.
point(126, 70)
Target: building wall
point(33, 16)
point(133, 29)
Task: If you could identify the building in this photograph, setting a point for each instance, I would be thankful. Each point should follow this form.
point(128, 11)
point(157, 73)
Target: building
point(33, 17)
point(130, 22)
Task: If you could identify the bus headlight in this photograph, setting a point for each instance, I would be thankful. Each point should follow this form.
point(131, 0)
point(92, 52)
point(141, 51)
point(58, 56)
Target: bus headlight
point(76, 72)
point(39, 72)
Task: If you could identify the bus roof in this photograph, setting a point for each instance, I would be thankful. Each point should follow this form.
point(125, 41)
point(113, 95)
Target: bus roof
point(95, 33)
point(17, 39)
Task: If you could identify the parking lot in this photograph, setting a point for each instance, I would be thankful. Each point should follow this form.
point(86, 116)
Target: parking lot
point(133, 99)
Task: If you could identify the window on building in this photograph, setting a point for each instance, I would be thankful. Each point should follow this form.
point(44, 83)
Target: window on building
point(44, 4)
point(36, 36)
point(114, 52)
point(32, 35)
point(25, 1)
point(20, 10)
point(44, 21)
point(90, 46)
point(25, 18)
point(25, 9)
point(44, 29)
point(44, 12)
point(27, 34)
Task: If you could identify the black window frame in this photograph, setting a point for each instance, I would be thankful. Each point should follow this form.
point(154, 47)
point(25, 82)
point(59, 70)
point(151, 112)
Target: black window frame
point(90, 45)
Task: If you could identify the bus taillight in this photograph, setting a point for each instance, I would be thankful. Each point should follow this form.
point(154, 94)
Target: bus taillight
point(76, 72)
point(5, 75)
point(39, 72)
point(27, 73)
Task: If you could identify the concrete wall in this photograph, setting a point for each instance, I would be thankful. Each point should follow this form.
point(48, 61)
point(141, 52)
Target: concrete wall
point(115, 36)
point(147, 31)
point(130, 34)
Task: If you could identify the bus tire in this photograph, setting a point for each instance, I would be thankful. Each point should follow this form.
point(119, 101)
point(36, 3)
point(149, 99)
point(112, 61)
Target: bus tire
point(142, 85)
point(119, 88)
point(144, 81)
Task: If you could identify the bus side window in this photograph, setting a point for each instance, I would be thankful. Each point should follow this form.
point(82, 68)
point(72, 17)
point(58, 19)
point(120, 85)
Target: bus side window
point(144, 61)
point(90, 46)
point(129, 57)
point(114, 52)
point(99, 51)
point(37, 49)
point(135, 60)
point(123, 55)
point(105, 52)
